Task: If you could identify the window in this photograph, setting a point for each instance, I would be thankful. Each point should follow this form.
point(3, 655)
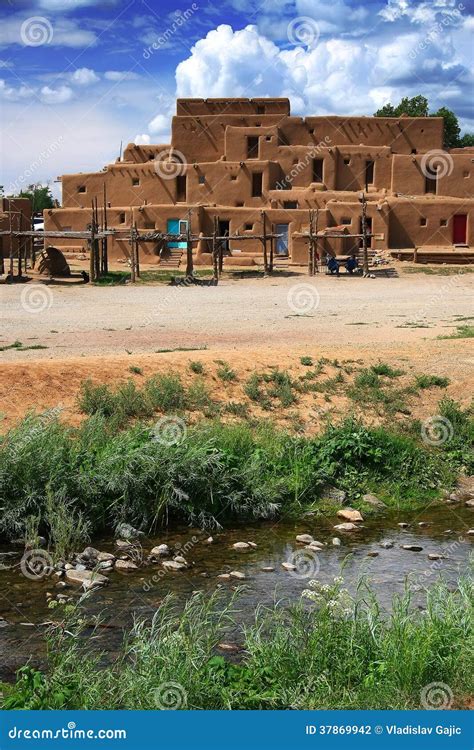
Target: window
point(122, 217)
point(260, 109)
point(202, 179)
point(248, 227)
point(346, 220)
point(465, 174)
point(347, 162)
point(239, 204)
point(81, 189)
point(318, 170)
point(268, 138)
point(430, 180)
point(443, 222)
point(183, 227)
point(369, 172)
point(181, 188)
point(413, 150)
point(233, 177)
point(135, 181)
point(257, 184)
point(252, 147)
point(290, 204)
point(423, 222)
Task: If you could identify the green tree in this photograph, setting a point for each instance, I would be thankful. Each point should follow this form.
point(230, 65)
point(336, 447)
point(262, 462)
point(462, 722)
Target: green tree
point(452, 131)
point(418, 106)
point(415, 107)
point(40, 197)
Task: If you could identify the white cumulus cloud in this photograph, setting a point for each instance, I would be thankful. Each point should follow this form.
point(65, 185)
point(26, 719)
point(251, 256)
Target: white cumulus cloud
point(59, 95)
point(84, 77)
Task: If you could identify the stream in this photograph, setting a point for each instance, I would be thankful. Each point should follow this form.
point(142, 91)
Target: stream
point(443, 531)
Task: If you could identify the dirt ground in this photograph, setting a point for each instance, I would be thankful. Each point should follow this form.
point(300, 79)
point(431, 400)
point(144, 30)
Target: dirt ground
point(101, 332)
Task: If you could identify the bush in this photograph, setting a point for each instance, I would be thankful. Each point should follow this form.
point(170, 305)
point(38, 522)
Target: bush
point(338, 653)
point(429, 381)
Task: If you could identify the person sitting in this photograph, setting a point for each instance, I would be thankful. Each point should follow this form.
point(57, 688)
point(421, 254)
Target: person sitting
point(332, 265)
point(352, 264)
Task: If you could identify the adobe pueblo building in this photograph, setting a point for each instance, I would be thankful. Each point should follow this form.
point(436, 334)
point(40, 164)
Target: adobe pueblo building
point(231, 159)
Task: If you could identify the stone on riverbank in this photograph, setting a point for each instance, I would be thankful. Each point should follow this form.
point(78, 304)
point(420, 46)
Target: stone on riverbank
point(373, 500)
point(241, 546)
point(161, 550)
point(237, 574)
point(304, 538)
point(412, 547)
point(336, 541)
point(349, 514)
point(173, 565)
point(386, 545)
point(436, 556)
point(88, 579)
point(288, 566)
point(346, 527)
point(125, 566)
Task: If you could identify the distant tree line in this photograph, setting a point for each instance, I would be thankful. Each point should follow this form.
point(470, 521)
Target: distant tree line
point(418, 106)
point(39, 195)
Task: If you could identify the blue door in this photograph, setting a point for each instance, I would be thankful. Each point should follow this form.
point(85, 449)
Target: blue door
point(282, 242)
point(177, 226)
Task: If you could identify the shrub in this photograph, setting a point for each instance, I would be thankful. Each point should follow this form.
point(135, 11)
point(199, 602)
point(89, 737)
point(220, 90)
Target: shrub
point(429, 381)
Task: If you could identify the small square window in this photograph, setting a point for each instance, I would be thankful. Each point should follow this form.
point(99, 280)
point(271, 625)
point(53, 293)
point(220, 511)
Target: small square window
point(135, 181)
point(268, 138)
point(239, 204)
point(413, 150)
point(81, 189)
point(290, 204)
point(202, 179)
point(248, 227)
point(347, 162)
point(122, 217)
point(423, 222)
point(443, 222)
point(233, 177)
point(465, 174)
point(311, 132)
point(260, 109)
point(345, 220)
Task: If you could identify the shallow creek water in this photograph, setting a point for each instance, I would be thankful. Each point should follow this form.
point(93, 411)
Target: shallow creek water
point(24, 607)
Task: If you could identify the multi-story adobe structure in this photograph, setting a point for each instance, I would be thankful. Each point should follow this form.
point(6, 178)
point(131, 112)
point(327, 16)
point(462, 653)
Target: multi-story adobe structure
point(233, 158)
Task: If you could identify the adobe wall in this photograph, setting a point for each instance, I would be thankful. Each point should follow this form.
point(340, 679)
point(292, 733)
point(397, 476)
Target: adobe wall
point(427, 223)
point(455, 174)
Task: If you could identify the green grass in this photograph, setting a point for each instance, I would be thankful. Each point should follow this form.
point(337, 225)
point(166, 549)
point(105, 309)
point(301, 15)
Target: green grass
point(113, 278)
point(135, 370)
point(20, 347)
point(338, 652)
point(306, 361)
point(440, 271)
point(197, 367)
point(182, 349)
point(269, 389)
point(385, 370)
point(225, 372)
point(429, 381)
point(216, 474)
point(462, 332)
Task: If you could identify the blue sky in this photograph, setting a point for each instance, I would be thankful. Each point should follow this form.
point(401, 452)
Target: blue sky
point(77, 77)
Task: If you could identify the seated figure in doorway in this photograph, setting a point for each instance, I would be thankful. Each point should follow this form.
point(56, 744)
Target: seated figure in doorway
point(332, 265)
point(352, 263)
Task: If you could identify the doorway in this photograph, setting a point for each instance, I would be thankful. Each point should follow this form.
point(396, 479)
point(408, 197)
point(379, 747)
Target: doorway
point(459, 229)
point(223, 229)
point(368, 225)
point(177, 226)
point(281, 248)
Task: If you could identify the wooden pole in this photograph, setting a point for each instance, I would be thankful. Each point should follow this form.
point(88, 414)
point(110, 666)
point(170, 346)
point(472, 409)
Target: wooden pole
point(220, 250)
point(133, 275)
point(11, 239)
point(189, 248)
point(215, 262)
point(137, 252)
point(264, 241)
point(364, 235)
point(310, 249)
point(105, 256)
point(315, 258)
point(90, 244)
